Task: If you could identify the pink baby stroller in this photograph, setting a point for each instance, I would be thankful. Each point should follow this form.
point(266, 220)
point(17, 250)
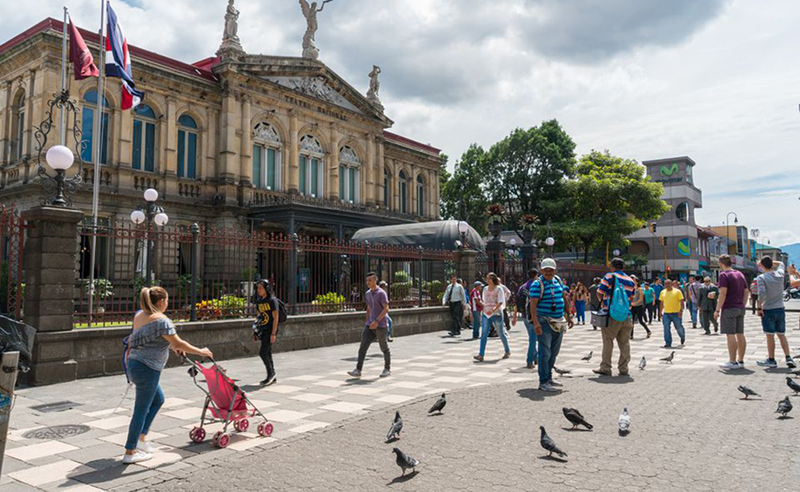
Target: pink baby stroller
point(227, 402)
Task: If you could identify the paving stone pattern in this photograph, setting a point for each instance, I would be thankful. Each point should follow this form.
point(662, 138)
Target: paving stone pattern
point(690, 429)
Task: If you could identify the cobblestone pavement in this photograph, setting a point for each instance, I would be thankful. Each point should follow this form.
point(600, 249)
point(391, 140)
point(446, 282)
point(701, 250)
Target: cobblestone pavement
point(690, 429)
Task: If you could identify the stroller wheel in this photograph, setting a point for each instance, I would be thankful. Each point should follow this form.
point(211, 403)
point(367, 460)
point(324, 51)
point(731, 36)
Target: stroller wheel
point(197, 434)
point(265, 429)
point(241, 425)
point(223, 440)
point(215, 439)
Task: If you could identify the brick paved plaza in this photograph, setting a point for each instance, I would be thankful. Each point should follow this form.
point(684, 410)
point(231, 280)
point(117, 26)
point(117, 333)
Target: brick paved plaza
point(690, 429)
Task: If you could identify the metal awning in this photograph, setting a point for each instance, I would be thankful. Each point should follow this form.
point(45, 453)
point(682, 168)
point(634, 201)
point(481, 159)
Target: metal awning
point(432, 235)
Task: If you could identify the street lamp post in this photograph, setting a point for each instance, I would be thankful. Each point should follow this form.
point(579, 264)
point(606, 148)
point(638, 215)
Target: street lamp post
point(463, 229)
point(728, 230)
point(152, 214)
point(616, 253)
point(550, 242)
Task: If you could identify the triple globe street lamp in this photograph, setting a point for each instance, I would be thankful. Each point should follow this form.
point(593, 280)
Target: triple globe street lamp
point(152, 214)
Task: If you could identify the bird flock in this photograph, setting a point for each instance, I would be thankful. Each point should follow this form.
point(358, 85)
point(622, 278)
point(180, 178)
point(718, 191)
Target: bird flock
point(785, 405)
point(403, 460)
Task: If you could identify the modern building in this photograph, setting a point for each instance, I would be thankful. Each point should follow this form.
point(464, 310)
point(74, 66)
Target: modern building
point(773, 252)
point(741, 248)
point(673, 248)
point(236, 140)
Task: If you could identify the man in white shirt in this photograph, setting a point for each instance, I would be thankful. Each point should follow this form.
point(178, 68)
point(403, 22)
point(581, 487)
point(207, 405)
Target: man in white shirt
point(455, 297)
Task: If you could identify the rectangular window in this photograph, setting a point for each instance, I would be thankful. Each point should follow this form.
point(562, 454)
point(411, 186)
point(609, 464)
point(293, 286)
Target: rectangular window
point(342, 177)
point(386, 190)
point(87, 127)
point(150, 147)
point(192, 157)
point(181, 152)
point(20, 134)
point(257, 166)
point(136, 158)
point(351, 182)
point(315, 177)
point(303, 176)
point(420, 200)
point(271, 175)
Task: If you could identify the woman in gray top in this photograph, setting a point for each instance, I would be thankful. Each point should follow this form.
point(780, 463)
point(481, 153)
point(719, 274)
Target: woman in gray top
point(148, 350)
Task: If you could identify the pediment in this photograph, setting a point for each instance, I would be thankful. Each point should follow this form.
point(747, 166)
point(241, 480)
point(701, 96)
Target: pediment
point(315, 86)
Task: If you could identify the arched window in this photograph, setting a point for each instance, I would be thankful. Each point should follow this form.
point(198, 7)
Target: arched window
point(311, 166)
point(387, 189)
point(144, 138)
point(349, 175)
point(187, 147)
point(403, 193)
point(420, 196)
point(266, 157)
point(18, 127)
point(88, 116)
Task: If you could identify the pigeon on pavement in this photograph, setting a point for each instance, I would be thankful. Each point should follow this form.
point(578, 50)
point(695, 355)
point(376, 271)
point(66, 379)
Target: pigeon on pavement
point(549, 445)
point(588, 356)
point(562, 371)
point(642, 363)
point(575, 418)
point(668, 359)
point(796, 373)
point(747, 391)
point(394, 430)
point(792, 385)
point(439, 405)
point(624, 421)
point(784, 407)
point(405, 461)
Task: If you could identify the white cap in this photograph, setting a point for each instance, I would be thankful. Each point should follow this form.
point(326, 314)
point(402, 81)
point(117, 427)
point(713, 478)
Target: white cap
point(548, 263)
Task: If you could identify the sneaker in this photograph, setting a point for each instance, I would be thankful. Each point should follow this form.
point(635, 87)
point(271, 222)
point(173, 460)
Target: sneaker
point(390, 339)
point(683, 341)
point(507, 355)
point(479, 358)
point(771, 363)
point(136, 457)
point(145, 447)
point(269, 381)
point(666, 346)
point(555, 383)
point(728, 366)
point(529, 366)
point(601, 372)
point(741, 364)
point(386, 373)
point(790, 362)
point(547, 388)
point(355, 373)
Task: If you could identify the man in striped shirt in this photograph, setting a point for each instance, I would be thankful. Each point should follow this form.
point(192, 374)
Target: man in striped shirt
point(547, 302)
point(616, 330)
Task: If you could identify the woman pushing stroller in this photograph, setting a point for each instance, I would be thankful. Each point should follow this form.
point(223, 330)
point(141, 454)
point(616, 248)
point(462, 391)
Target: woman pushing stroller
point(265, 327)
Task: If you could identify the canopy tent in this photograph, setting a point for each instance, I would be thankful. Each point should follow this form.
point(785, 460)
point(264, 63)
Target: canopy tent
point(432, 235)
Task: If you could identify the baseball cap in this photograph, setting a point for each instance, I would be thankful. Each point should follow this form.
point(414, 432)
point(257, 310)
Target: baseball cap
point(478, 282)
point(548, 263)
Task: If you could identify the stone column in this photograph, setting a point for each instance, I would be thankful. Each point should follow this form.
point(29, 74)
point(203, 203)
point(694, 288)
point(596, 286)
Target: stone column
point(5, 121)
point(51, 257)
point(293, 167)
point(170, 143)
point(468, 266)
point(246, 172)
point(379, 167)
point(369, 179)
point(333, 174)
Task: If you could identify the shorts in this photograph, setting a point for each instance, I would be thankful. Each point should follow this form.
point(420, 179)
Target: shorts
point(774, 321)
point(731, 321)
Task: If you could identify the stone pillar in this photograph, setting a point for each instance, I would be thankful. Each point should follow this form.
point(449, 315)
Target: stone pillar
point(293, 181)
point(468, 266)
point(333, 174)
point(379, 166)
point(369, 181)
point(5, 121)
point(50, 260)
point(246, 172)
point(170, 165)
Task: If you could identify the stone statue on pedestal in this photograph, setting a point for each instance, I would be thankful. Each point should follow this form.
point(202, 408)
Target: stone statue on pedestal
point(310, 12)
point(230, 37)
point(374, 87)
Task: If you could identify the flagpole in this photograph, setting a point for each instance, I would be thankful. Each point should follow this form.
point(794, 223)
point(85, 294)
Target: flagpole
point(63, 129)
point(97, 138)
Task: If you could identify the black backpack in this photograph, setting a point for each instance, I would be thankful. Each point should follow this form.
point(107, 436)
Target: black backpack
point(281, 311)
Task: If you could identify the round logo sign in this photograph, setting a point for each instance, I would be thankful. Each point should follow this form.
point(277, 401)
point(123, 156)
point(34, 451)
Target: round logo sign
point(685, 247)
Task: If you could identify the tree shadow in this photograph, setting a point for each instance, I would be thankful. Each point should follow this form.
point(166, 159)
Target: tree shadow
point(552, 458)
point(403, 478)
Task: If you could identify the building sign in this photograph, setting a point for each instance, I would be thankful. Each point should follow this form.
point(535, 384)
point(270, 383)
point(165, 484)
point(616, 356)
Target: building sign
point(685, 247)
point(668, 172)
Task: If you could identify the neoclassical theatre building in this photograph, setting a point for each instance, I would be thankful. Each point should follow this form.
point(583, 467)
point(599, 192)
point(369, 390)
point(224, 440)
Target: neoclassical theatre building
point(236, 140)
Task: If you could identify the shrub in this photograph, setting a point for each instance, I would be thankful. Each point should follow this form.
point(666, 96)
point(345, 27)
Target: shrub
point(103, 289)
point(400, 290)
point(329, 303)
point(400, 276)
point(435, 289)
point(225, 307)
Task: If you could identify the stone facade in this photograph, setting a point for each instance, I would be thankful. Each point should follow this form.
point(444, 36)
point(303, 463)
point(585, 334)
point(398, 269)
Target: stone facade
point(207, 123)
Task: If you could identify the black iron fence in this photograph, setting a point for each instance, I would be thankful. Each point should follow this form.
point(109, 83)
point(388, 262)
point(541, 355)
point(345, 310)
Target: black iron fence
point(210, 273)
point(12, 241)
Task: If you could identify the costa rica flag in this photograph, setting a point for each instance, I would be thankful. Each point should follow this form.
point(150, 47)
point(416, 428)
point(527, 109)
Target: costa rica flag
point(118, 61)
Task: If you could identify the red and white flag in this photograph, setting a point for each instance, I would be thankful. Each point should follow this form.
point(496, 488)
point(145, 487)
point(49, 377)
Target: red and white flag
point(80, 56)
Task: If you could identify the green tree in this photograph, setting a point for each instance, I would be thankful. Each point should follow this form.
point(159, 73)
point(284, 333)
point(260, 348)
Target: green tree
point(609, 198)
point(463, 195)
point(527, 172)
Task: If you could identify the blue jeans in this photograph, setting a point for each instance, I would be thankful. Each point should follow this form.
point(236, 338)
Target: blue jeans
point(497, 321)
point(149, 399)
point(476, 324)
point(675, 319)
point(389, 329)
point(549, 347)
point(774, 321)
point(531, 342)
point(693, 312)
point(580, 308)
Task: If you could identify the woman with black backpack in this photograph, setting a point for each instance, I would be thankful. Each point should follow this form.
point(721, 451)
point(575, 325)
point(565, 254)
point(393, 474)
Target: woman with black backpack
point(265, 327)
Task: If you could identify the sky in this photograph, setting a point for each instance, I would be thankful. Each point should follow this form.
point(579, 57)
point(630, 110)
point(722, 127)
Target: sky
point(716, 80)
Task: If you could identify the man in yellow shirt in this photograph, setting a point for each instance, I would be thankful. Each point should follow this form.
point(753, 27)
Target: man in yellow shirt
point(672, 304)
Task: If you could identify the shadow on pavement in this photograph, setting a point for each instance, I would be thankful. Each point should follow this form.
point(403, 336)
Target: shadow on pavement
point(778, 370)
point(577, 429)
point(738, 372)
point(403, 478)
point(611, 379)
point(552, 458)
point(534, 394)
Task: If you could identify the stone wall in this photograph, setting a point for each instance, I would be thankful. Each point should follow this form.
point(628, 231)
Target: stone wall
point(97, 352)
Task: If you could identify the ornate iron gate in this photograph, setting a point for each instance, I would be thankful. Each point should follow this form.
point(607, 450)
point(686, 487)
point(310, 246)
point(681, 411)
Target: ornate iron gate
point(12, 242)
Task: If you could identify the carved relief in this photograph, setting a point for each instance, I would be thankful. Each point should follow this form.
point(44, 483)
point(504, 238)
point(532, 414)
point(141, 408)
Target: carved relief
point(311, 144)
point(348, 156)
point(266, 133)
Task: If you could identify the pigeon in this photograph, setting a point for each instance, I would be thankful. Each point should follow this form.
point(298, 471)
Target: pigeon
point(394, 430)
point(575, 418)
point(588, 356)
point(796, 373)
point(549, 445)
point(562, 371)
point(668, 359)
point(784, 407)
point(439, 405)
point(747, 392)
point(405, 461)
point(624, 421)
point(793, 385)
point(642, 363)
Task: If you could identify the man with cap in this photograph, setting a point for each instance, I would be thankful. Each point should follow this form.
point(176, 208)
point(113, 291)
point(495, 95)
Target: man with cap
point(616, 330)
point(476, 306)
point(523, 294)
point(548, 299)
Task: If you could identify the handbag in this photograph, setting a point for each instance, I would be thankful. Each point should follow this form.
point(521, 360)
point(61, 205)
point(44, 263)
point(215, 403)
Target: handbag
point(556, 324)
point(600, 319)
